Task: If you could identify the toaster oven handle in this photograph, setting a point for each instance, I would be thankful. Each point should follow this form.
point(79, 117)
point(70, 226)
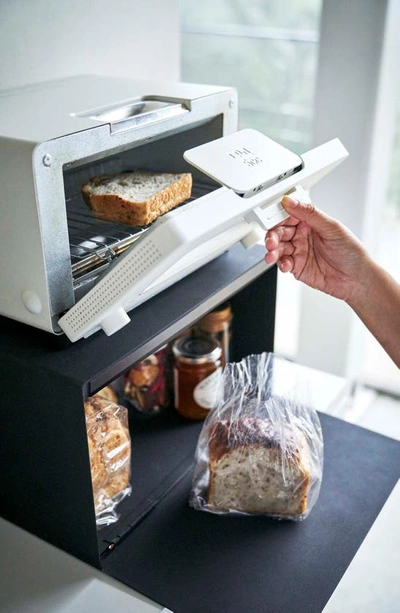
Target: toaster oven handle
point(137, 113)
point(268, 216)
point(145, 113)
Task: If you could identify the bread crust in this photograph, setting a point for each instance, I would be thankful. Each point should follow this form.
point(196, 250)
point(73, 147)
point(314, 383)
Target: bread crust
point(257, 467)
point(113, 207)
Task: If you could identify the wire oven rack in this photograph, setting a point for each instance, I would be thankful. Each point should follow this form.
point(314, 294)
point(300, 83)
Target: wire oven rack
point(94, 243)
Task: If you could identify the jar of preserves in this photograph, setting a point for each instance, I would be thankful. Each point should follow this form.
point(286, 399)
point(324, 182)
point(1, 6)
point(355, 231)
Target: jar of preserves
point(197, 373)
point(217, 324)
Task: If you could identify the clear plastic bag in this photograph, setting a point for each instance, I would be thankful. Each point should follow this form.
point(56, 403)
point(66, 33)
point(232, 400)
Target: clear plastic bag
point(110, 456)
point(260, 451)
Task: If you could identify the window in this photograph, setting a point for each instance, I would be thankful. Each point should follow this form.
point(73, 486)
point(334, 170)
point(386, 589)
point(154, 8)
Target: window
point(268, 51)
point(378, 369)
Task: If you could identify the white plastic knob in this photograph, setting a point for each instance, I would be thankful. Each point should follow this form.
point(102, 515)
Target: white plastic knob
point(115, 321)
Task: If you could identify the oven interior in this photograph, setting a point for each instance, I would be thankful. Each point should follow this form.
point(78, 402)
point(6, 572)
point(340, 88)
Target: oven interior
point(95, 243)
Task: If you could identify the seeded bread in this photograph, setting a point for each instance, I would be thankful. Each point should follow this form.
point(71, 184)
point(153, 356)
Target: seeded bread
point(258, 468)
point(136, 198)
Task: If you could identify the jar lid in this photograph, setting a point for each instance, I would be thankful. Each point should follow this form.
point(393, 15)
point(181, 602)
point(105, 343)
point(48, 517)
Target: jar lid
point(218, 319)
point(197, 349)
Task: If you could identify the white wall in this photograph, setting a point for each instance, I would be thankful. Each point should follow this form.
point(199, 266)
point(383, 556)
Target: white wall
point(45, 39)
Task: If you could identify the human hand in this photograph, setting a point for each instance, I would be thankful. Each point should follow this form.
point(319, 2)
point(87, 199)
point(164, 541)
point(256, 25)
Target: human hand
point(317, 249)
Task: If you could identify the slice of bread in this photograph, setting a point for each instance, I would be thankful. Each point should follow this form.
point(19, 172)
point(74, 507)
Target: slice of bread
point(136, 198)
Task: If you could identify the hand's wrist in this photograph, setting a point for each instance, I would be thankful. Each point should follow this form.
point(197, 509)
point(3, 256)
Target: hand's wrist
point(364, 284)
point(376, 300)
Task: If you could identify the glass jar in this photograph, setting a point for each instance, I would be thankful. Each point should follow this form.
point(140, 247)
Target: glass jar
point(197, 373)
point(217, 324)
point(145, 386)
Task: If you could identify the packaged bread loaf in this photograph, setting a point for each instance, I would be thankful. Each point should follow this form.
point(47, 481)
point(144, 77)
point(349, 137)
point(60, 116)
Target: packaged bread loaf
point(109, 454)
point(136, 198)
point(258, 453)
point(257, 466)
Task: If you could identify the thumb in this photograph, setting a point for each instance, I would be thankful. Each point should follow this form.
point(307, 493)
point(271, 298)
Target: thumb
point(305, 211)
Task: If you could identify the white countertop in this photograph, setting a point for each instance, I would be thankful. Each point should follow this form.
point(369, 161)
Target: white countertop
point(36, 577)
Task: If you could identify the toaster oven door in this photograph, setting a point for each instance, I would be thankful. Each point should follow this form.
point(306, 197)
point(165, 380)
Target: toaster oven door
point(186, 238)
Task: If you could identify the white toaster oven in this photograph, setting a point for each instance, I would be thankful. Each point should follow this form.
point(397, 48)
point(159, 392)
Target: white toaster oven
point(68, 272)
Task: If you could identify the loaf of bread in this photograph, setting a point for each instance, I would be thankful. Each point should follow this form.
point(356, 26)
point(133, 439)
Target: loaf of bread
point(258, 467)
point(136, 198)
point(109, 451)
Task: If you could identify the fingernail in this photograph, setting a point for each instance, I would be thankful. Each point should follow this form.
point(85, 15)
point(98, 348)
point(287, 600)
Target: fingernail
point(289, 201)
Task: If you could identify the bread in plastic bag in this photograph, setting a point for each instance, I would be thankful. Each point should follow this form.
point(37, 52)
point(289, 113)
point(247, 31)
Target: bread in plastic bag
point(260, 451)
point(110, 456)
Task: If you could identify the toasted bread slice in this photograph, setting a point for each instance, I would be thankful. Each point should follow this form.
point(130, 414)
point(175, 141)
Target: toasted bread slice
point(136, 198)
